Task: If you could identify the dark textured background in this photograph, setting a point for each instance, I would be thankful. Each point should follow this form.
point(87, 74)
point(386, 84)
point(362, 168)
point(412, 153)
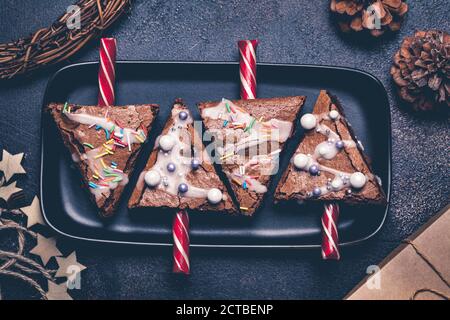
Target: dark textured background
point(290, 32)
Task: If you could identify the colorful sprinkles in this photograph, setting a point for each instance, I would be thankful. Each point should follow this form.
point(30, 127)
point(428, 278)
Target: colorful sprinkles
point(228, 107)
point(114, 137)
point(93, 185)
point(88, 145)
point(227, 156)
point(250, 126)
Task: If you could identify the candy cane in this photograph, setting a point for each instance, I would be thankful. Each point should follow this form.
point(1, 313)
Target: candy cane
point(106, 72)
point(180, 228)
point(330, 238)
point(247, 68)
point(180, 231)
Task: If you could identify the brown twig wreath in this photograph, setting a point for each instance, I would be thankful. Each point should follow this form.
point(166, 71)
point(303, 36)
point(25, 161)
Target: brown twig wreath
point(58, 42)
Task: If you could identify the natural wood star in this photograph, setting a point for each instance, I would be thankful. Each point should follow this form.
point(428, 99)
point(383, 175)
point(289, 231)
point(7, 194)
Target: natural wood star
point(10, 164)
point(45, 248)
point(7, 191)
point(57, 291)
point(33, 212)
point(69, 267)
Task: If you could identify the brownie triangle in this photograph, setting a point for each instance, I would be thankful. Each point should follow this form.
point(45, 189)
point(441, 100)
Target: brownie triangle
point(104, 143)
point(249, 135)
point(179, 173)
point(329, 163)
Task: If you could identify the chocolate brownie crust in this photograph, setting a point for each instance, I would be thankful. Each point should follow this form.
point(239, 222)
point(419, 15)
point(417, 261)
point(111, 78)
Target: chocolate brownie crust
point(280, 108)
point(74, 134)
point(204, 177)
point(295, 184)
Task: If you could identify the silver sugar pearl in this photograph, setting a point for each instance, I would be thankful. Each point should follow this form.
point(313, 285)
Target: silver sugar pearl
point(317, 192)
point(171, 167)
point(183, 115)
point(183, 188)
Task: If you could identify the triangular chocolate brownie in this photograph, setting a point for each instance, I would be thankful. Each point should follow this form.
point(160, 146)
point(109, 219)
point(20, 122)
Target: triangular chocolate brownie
point(179, 174)
point(249, 135)
point(329, 163)
point(104, 143)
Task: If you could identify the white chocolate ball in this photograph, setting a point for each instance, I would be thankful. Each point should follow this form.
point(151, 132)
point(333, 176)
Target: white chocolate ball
point(357, 180)
point(308, 121)
point(301, 161)
point(152, 178)
point(337, 184)
point(333, 114)
point(324, 150)
point(214, 196)
point(166, 142)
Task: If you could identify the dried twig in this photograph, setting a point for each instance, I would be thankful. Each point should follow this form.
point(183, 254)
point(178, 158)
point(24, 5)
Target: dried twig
point(16, 260)
point(56, 43)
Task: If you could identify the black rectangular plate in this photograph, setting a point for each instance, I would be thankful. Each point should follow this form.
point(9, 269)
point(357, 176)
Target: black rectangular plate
point(68, 210)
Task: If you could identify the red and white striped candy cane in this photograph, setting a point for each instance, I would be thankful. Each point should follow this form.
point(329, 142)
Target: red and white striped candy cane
point(107, 72)
point(247, 68)
point(180, 230)
point(330, 238)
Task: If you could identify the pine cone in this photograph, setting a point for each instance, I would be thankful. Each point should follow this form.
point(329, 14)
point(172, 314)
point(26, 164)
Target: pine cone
point(421, 70)
point(359, 15)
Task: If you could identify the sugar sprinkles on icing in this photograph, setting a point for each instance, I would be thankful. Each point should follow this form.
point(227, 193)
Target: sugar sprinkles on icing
point(248, 132)
point(264, 163)
point(253, 135)
point(111, 176)
point(327, 150)
point(107, 125)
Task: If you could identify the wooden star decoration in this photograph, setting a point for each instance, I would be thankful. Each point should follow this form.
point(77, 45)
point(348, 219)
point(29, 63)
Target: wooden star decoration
point(57, 291)
point(10, 164)
point(7, 191)
point(69, 267)
point(45, 248)
point(33, 212)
